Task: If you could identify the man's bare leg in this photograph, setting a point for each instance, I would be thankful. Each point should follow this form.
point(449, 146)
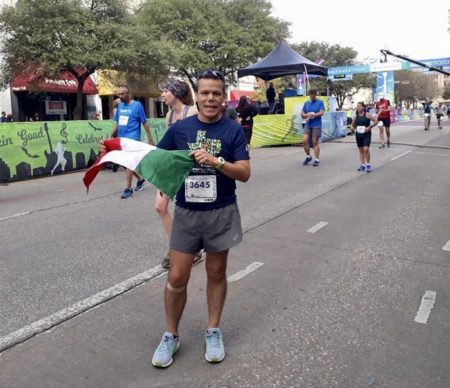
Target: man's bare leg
point(216, 268)
point(175, 294)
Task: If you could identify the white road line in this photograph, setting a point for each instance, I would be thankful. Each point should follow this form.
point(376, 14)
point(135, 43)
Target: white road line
point(317, 227)
point(46, 323)
point(14, 216)
point(446, 247)
point(401, 155)
point(426, 305)
point(240, 274)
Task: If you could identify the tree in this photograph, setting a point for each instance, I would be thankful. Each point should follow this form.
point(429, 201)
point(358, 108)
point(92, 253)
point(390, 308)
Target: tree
point(224, 35)
point(78, 36)
point(335, 55)
point(446, 94)
point(347, 89)
point(414, 83)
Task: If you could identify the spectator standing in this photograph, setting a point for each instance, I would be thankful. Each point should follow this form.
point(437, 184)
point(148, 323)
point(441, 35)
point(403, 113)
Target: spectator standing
point(246, 112)
point(270, 95)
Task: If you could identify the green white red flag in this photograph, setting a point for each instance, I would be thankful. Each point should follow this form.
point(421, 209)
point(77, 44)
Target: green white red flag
point(166, 170)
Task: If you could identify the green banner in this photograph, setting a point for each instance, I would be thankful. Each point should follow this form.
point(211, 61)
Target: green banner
point(276, 130)
point(31, 149)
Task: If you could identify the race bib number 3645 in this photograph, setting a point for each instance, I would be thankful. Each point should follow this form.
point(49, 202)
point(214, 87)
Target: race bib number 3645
point(200, 188)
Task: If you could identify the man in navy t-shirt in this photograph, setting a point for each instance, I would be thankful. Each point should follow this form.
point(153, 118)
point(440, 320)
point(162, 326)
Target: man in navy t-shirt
point(129, 116)
point(426, 111)
point(312, 111)
point(206, 214)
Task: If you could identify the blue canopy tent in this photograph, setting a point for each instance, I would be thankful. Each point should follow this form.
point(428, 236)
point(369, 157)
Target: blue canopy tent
point(280, 62)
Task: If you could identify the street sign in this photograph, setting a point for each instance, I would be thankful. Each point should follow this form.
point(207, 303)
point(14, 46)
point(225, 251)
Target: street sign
point(340, 77)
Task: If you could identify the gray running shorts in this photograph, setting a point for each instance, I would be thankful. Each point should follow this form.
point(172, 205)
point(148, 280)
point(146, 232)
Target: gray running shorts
point(316, 132)
point(213, 230)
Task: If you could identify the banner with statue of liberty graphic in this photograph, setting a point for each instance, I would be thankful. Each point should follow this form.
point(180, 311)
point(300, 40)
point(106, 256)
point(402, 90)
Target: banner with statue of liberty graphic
point(385, 86)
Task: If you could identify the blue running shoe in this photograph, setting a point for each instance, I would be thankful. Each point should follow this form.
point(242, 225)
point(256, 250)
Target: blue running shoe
point(362, 168)
point(307, 160)
point(316, 163)
point(215, 351)
point(127, 193)
point(369, 168)
point(139, 185)
point(163, 356)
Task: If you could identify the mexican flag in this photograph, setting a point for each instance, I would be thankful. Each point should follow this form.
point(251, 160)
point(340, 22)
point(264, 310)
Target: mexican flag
point(167, 170)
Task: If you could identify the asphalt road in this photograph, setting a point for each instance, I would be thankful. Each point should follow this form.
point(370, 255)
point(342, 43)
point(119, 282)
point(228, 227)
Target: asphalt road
point(332, 308)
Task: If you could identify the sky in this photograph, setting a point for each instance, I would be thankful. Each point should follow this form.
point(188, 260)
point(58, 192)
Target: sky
point(418, 31)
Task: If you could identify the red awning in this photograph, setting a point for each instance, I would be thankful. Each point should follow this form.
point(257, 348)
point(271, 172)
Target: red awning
point(236, 94)
point(66, 83)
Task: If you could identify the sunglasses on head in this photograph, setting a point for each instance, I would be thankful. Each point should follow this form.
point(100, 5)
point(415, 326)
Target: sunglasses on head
point(216, 74)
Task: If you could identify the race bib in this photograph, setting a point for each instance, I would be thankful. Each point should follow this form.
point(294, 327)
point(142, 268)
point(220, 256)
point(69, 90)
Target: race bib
point(361, 129)
point(427, 114)
point(123, 120)
point(200, 188)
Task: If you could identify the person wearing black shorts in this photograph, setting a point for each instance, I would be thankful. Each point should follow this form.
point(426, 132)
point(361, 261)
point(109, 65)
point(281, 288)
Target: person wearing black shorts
point(363, 123)
point(439, 114)
point(382, 108)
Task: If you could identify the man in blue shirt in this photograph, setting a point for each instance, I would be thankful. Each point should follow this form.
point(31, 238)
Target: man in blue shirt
point(129, 116)
point(312, 111)
point(206, 213)
point(290, 91)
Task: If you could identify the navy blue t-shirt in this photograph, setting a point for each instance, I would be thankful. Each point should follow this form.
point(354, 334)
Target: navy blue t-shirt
point(427, 106)
point(223, 138)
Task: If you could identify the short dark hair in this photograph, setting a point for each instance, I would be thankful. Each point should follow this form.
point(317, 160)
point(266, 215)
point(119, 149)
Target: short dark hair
point(124, 86)
point(313, 91)
point(210, 74)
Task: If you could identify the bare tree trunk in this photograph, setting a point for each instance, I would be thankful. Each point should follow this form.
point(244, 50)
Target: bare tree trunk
point(78, 112)
point(189, 77)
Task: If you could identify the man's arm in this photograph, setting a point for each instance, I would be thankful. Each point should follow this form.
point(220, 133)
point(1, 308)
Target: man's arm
point(373, 120)
point(320, 112)
point(304, 114)
point(149, 135)
point(239, 170)
point(114, 130)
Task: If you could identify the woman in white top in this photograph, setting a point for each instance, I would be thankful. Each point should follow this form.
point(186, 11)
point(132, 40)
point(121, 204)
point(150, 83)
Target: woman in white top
point(178, 95)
